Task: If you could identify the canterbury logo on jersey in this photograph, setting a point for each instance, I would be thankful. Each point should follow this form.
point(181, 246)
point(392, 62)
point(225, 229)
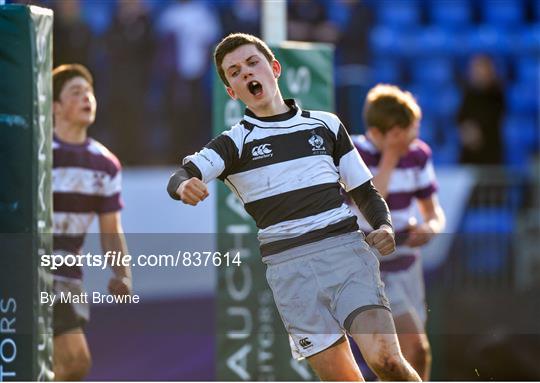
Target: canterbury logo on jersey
point(305, 343)
point(262, 151)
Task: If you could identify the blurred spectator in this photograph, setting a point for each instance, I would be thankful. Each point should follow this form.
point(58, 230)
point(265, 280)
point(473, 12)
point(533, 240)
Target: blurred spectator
point(241, 16)
point(308, 21)
point(129, 47)
point(480, 114)
point(72, 35)
point(194, 30)
point(355, 19)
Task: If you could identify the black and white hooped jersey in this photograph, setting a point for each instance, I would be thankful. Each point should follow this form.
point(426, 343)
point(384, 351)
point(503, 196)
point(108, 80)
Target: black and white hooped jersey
point(287, 170)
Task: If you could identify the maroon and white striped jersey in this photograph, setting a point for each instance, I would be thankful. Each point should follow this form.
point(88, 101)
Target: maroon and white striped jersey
point(413, 178)
point(86, 180)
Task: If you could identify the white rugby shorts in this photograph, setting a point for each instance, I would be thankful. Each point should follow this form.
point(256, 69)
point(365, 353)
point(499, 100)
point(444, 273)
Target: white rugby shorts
point(319, 288)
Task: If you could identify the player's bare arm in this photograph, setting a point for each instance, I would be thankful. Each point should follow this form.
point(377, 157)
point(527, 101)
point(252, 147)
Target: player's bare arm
point(113, 239)
point(433, 222)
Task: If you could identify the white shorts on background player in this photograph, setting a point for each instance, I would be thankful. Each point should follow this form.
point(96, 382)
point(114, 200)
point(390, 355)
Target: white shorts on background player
point(405, 290)
point(319, 288)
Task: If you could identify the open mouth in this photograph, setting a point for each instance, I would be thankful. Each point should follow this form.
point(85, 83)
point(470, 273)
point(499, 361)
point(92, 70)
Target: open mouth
point(255, 88)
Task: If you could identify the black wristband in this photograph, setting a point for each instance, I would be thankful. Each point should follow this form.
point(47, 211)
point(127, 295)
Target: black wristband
point(183, 174)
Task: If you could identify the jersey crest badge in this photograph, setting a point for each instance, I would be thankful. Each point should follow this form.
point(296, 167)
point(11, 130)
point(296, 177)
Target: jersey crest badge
point(317, 143)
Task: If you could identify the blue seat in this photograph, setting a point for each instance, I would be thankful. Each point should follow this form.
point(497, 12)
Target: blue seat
point(388, 41)
point(520, 139)
point(526, 40)
point(386, 71)
point(446, 153)
point(432, 71)
point(447, 101)
point(384, 41)
point(486, 239)
point(523, 97)
point(398, 13)
point(488, 220)
point(428, 130)
point(503, 13)
point(436, 40)
point(536, 9)
point(528, 70)
point(424, 96)
point(488, 39)
point(450, 13)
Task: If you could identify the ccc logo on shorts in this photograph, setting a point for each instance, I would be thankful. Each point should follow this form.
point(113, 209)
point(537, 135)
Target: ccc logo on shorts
point(262, 151)
point(305, 343)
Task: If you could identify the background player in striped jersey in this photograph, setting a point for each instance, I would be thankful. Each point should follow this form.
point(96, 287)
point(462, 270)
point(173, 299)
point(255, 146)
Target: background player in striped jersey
point(403, 174)
point(286, 165)
point(86, 180)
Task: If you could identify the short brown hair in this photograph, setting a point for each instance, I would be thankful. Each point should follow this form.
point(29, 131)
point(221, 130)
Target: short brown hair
point(66, 72)
point(387, 106)
point(233, 41)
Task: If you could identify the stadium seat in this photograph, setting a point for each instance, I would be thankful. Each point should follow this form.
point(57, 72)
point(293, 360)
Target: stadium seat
point(387, 41)
point(398, 13)
point(526, 40)
point(428, 130)
point(536, 9)
point(387, 71)
point(528, 70)
point(435, 40)
point(488, 253)
point(446, 154)
point(383, 40)
point(488, 220)
point(523, 97)
point(520, 138)
point(488, 39)
point(424, 95)
point(432, 71)
point(503, 13)
point(450, 13)
point(447, 101)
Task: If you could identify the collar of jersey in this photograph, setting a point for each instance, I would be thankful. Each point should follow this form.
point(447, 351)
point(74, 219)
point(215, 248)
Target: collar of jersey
point(70, 145)
point(292, 112)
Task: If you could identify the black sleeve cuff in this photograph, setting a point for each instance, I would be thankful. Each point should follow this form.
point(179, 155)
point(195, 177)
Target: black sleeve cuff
point(186, 172)
point(372, 205)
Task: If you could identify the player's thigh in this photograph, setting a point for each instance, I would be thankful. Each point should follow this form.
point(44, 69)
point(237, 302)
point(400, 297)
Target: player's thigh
point(336, 363)
point(71, 349)
point(374, 332)
point(411, 334)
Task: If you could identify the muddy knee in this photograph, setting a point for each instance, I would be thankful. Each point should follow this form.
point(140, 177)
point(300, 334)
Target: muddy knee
point(386, 364)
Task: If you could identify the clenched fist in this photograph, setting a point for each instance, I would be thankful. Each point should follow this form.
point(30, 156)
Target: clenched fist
point(382, 239)
point(120, 286)
point(192, 191)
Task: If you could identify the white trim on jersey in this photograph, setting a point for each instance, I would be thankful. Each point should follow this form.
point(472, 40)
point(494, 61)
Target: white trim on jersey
point(360, 175)
point(209, 163)
point(297, 227)
point(297, 125)
point(85, 181)
point(283, 177)
point(72, 223)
